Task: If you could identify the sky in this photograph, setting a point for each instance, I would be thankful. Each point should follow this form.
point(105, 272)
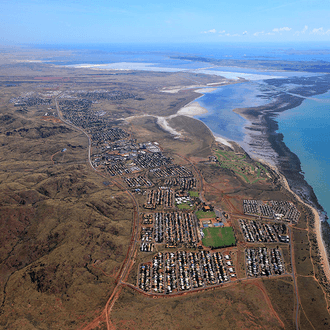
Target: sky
point(128, 21)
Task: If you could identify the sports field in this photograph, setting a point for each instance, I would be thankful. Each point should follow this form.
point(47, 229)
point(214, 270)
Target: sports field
point(204, 215)
point(218, 237)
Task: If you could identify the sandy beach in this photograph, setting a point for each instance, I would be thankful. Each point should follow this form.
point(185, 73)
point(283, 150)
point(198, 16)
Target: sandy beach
point(177, 89)
point(192, 109)
point(163, 123)
point(201, 89)
point(223, 141)
point(317, 228)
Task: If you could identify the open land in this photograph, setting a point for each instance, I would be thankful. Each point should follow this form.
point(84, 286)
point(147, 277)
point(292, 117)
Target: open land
point(102, 219)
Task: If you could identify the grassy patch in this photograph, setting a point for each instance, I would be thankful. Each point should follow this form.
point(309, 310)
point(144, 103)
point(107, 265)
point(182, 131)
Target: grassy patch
point(303, 260)
point(204, 215)
point(193, 194)
point(238, 163)
point(219, 237)
point(184, 206)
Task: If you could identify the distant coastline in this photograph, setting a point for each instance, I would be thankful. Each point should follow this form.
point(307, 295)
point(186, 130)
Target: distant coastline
point(262, 140)
point(266, 145)
point(277, 154)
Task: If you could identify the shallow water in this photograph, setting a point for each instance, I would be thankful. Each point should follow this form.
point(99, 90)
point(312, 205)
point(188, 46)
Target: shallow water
point(221, 119)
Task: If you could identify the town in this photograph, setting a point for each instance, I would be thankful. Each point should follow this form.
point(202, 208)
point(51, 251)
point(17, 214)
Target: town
point(272, 210)
point(178, 219)
point(256, 231)
point(171, 272)
point(186, 242)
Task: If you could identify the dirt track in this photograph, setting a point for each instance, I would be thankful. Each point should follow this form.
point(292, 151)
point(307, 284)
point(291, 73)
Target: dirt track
point(321, 246)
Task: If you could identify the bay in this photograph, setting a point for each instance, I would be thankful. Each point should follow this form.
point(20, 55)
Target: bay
point(220, 103)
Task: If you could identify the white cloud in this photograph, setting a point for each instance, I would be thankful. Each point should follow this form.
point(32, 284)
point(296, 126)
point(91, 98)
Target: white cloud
point(223, 31)
point(282, 29)
point(303, 31)
point(245, 33)
point(320, 32)
point(210, 31)
point(273, 32)
point(232, 35)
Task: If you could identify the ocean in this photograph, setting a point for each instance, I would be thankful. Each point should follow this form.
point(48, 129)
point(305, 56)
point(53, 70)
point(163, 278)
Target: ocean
point(305, 128)
point(306, 131)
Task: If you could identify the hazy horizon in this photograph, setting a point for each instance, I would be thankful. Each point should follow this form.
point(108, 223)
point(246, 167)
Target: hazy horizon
point(39, 22)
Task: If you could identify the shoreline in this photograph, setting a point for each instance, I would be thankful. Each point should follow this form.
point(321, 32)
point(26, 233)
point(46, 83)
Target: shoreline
point(262, 142)
point(317, 221)
point(190, 110)
point(262, 135)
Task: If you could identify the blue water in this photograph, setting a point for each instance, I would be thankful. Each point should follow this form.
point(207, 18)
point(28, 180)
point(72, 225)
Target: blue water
point(220, 104)
point(306, 131)
point(100, 53)
point(305, 128)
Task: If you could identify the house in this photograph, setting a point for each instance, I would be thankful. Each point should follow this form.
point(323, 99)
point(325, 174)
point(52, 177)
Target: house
point(206, 208)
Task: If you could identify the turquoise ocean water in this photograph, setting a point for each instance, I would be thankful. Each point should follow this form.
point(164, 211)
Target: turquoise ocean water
point(306, 131)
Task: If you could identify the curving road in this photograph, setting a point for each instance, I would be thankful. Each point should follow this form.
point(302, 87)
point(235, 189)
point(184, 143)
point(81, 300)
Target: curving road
point(123, 273)
point(76, 128)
